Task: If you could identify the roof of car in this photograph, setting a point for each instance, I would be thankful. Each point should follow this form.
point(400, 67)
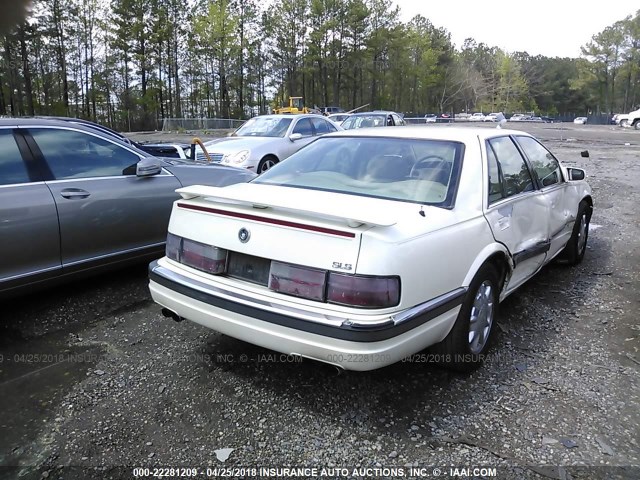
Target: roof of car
point(463, 134)
point(62, 122)
point(375, 112)
point(291, 115)
point(19, 121)
point(59, 122)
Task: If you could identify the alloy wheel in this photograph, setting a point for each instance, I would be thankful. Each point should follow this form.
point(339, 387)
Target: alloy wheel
point(481, 318)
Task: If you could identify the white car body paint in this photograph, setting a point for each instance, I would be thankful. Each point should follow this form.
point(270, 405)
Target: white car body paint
point(434, 251)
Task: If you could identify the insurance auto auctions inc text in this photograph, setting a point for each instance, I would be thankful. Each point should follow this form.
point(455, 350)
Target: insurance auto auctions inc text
point(373, 472)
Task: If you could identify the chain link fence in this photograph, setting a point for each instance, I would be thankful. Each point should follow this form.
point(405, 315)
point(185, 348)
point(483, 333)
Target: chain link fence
point(183, 124)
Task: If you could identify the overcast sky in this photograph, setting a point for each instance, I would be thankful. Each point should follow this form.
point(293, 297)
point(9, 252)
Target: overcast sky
point(554, 28)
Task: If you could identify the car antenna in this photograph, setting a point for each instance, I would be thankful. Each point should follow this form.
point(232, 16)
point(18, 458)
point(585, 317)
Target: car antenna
point(421, 212)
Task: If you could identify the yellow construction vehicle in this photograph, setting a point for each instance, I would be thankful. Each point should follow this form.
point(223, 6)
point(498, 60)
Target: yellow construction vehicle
point(296, 105)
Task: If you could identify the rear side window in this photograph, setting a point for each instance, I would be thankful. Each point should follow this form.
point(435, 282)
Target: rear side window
point(73, 154)
point(12, 168)
point(495, 183)
point(544, 164)
point(514, 173)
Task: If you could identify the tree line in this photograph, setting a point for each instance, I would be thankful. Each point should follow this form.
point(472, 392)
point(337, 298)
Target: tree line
point(128, 63)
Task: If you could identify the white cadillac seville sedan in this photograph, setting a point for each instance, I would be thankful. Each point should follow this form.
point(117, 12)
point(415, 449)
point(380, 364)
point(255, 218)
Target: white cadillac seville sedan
point(370, 245)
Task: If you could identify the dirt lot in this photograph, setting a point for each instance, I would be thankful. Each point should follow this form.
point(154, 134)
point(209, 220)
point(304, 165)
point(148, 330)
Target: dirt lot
point(93, 377)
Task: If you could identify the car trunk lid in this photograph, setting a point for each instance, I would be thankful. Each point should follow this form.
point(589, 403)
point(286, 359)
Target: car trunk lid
point(298, 226)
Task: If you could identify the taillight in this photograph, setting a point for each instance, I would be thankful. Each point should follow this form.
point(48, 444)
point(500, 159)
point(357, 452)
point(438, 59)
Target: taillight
point(310, 283)
point(174, 245)
point(297, 281)
point(367, 292)
point(200, 256)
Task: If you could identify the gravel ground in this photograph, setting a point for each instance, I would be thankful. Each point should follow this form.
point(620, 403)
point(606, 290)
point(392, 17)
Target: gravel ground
point(93, 377)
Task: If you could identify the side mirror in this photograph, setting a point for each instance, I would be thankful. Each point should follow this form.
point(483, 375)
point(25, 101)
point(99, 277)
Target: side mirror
point(576, 173)
point(148, 167)
point(295, 136)
point(584, 154)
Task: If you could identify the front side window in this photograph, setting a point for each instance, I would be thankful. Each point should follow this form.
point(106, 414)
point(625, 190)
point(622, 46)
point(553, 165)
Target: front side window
point(409, 170)
point(75, 154)
point(398, 120)
point(515, 175)
point(544, 164)
point(12, 168)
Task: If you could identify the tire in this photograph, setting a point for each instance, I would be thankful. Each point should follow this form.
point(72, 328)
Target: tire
point(266, 163)
point(636, 124)
point(464, 348)
point(576, 247)
point(623, 123)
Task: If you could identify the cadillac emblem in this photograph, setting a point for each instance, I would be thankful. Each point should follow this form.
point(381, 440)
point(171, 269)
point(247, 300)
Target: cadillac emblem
point(244, 235)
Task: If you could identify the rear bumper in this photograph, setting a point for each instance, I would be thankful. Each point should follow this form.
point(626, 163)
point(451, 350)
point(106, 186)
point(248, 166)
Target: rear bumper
point(346, 342)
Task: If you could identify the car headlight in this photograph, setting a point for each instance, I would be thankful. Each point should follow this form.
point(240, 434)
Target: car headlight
point(237, 157)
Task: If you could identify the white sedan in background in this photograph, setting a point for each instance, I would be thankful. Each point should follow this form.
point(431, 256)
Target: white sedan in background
point(580, 120)
point(492, 117)
point(477, 117)
point(263, 141)
point(370, 245)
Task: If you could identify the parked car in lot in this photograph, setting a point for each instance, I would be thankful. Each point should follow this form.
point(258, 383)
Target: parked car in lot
point(331, 110)
point(622, 119)
point(377, 118)
point(631, 119)
point(518, 117)
point(74, 200)
point(580, 120)
point(477, 117)
point(338, 117)
point(263, 141)
point(370, 245)
point(491, 117)
point(430, 118)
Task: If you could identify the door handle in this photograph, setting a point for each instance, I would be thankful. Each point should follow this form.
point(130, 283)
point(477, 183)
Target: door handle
point(74, 193)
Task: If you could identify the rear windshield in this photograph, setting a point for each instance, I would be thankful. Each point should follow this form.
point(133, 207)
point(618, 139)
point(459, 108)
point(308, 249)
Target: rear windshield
point(409, 170)
point(364, 121)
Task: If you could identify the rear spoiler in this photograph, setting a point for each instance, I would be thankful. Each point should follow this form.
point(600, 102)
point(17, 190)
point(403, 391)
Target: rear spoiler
point(351, 214)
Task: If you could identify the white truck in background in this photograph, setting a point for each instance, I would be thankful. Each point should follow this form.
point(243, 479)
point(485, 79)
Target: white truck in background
point(631, 119)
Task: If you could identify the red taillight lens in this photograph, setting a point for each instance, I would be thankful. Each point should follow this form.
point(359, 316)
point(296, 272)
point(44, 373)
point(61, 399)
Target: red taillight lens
point(297, 281)
point(367, 292)
point(196, 255)
point(203, 257)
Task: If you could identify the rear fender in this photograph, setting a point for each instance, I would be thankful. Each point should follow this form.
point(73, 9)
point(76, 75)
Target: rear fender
point(497, 254)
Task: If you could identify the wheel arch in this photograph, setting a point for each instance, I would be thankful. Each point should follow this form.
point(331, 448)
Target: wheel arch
point(496, 255)
point(266, 157)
